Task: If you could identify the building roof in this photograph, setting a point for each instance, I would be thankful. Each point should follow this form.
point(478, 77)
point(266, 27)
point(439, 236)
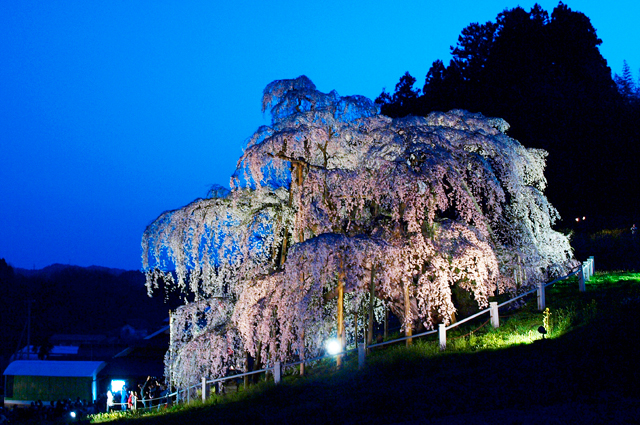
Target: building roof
point(163, 330)
point(76, 339)
point(30, 352)
point(65, 368)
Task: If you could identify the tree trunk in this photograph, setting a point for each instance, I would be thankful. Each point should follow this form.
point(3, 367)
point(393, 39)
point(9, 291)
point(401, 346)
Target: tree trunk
point(301, 355)
point(371, 298)
point(246, 369)
point(386, 322)
point(355, 325)
point(257, 364)
point(340, 314)
point(408, 328)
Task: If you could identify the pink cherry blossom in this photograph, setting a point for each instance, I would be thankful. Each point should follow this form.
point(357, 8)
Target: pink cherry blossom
point(334, 192)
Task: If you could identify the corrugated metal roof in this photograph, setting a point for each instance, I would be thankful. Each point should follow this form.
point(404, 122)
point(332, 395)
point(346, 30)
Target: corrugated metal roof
point(54, 368)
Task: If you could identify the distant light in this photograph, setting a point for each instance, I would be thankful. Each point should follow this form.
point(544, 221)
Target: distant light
point(116, 385)
point(73, 414)
point(334, 346)
point(584, 218)
point(577, 218)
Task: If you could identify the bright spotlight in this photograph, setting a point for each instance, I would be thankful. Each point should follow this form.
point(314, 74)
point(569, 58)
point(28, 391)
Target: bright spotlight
point(116, 385)
point(333, 346)
point(72, 414)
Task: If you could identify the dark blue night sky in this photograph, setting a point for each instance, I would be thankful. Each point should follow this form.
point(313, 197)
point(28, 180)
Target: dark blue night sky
point(112, 112)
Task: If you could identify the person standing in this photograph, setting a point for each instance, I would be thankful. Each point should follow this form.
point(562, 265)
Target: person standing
point(124, 397)
point(144, 392)
point(109, 400)
point(134, 400)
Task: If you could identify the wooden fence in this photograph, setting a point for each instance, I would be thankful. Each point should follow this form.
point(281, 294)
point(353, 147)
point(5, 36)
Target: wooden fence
point(584, 271)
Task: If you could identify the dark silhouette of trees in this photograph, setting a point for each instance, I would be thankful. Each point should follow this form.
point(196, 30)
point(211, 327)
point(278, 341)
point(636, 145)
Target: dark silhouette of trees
point(71, 299)
point(545, 76)
point(404, 99)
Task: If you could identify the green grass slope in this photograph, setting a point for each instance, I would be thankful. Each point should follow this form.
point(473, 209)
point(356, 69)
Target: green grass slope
point(586, 372)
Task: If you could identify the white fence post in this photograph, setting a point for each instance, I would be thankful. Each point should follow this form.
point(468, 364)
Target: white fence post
point(442, 334)
point(277, 372)
point(587, 271)
point(541, 300)
point(204, 389)
point(361, 356)
point(581, 279)
point(495, 317)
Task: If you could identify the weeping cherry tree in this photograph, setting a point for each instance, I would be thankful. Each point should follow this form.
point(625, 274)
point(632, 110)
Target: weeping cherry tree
point(336, 211)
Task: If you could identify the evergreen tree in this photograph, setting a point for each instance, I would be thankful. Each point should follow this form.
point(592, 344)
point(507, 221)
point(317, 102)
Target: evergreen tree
point(543, 74)
point(625, 83)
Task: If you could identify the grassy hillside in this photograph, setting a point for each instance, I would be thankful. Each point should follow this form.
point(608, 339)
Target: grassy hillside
point(585, 372)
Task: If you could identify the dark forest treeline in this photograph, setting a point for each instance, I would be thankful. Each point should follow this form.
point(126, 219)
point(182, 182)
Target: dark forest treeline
point(545, 76)
point(73, 300)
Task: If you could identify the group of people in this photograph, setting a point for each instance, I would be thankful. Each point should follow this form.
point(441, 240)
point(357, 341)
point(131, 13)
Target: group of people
point(42, 412)
point(148, 394)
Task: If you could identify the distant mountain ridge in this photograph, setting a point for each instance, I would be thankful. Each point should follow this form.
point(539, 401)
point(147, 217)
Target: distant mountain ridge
point(75, 300)
point(57, 267)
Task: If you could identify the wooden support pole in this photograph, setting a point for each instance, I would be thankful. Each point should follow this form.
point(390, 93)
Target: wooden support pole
point(361, 356)
point(302, 336)
point(340, 315)
point(495, 315)
point(277, 372)
point(587, 274)
point(541, 300)
point(205, 395)
point(408, 331)
point(355, 327)
point(386, 322)
point(442, 336)
point(170, 351)
point(246, 369)
point(372, 294)
point(587, 267)
point(581, 279)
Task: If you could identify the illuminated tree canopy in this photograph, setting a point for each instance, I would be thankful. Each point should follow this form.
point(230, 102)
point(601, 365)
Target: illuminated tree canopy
point(412, 210)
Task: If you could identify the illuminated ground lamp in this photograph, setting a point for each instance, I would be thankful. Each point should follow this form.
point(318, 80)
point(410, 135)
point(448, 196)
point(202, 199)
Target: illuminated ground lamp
point(543, 331)
point(333, 347)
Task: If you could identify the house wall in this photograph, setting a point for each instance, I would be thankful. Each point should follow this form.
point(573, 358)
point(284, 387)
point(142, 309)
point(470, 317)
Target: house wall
point(49, 388)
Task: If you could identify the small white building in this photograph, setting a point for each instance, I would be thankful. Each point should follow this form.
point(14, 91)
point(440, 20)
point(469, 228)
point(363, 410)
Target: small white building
point(49, 380)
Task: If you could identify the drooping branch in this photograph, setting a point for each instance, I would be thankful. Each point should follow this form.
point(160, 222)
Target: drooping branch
point(397, 214)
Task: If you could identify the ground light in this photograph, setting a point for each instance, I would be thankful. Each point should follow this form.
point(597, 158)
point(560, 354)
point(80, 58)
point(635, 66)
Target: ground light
point(543, 331)
point(333, 346)
point(72, 414)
